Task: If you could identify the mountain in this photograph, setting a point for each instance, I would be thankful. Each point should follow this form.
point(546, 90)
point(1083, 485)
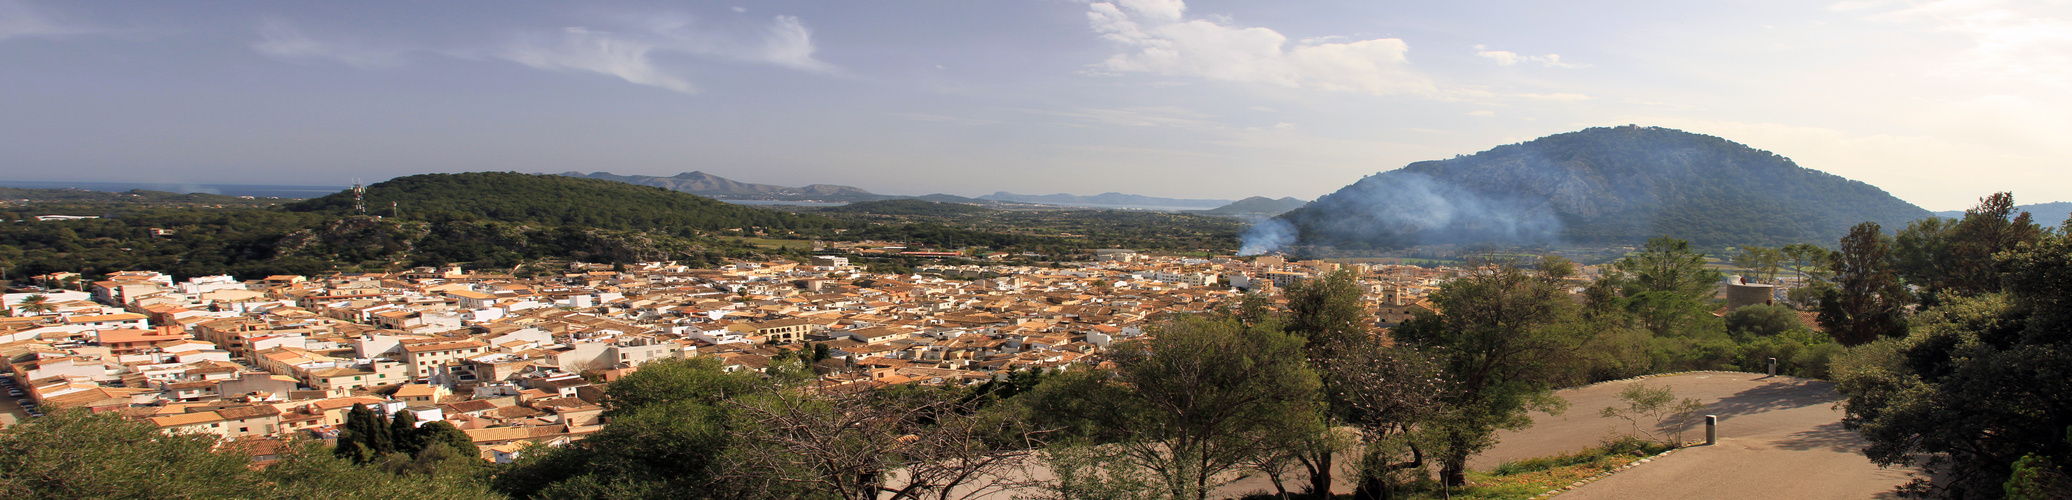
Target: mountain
point(907, 206)
point(2045, 214)
point(1107, 200)
point(554, 200)
point(1612, 186)
point(1256, 205)
point(704, 184)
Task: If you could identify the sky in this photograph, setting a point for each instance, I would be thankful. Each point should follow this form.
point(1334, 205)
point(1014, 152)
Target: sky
point(1938, 102)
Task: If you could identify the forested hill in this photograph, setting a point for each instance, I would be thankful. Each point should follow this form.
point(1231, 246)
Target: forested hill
point(556, 200)
point(704, 184)
point(1617, 185)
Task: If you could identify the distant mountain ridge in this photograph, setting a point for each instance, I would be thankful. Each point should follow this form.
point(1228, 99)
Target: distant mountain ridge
point(1614, 185)
point(2045, 214)
point(704, 184)
point(1256, 205)
point(1109, 199)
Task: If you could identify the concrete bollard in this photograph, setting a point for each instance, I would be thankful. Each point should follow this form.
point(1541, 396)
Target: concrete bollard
point(1711, 430)
point(1773, 367)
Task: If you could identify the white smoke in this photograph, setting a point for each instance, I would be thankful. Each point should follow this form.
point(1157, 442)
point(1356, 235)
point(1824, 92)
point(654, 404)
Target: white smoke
point(1266, 236)
point(1404, 208)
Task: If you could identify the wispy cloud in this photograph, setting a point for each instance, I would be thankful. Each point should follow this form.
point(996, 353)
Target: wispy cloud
point(1508, 58)
point(1136, 116)
point(629, 54)
point(581, 49)
point(2010, 41)
point(1554, 96)
point(1161, 40)
point(281, 40)
point(21, 20)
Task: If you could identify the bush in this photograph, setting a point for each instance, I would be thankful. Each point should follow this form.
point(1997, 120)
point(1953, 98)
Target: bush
point(1800, 353)
point(1614, 449)
point(1762, 321)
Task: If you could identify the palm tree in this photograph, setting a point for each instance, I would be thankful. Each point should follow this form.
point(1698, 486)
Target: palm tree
point(37, 303)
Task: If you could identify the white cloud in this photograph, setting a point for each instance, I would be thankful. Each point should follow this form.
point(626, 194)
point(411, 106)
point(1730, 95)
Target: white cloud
point(284, 41)
point(2010, 42)
point(581, 49)
point(1507, 58)
point(789, 44)
point(628, 55)
point(1482, 112)
point(18, 19)
point(1162, 41)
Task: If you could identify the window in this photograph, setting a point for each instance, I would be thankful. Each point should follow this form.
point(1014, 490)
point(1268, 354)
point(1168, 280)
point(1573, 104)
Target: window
point(244, 429)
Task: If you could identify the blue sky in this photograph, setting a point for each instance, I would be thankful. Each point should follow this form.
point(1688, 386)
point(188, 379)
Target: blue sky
point(1938, 102)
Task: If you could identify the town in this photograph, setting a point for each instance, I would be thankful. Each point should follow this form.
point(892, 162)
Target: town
point(515, 362)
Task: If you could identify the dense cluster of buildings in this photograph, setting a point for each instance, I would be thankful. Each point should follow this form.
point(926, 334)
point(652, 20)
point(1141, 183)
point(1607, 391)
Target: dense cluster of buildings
point(513, 361)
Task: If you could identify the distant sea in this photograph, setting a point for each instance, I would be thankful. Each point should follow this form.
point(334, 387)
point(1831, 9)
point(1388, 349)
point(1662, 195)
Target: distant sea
point(261, 190)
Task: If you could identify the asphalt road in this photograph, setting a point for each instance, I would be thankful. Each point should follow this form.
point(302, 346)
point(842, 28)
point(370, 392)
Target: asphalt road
point(1780, 437)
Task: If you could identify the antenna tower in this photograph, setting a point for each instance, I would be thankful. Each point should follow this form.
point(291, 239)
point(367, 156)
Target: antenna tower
point(359, 197)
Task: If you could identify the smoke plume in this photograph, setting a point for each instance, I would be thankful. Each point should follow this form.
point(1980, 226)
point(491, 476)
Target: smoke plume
point(1405, 208)
point(1266, 235)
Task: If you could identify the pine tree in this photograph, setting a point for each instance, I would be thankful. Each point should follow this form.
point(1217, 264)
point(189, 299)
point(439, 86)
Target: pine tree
point(356, 439)
point(383, 439)
point(403, 428)
point(440, 432)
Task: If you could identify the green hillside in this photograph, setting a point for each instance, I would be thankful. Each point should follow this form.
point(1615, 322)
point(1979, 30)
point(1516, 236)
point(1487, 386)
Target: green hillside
point(1617, 185)
point(556, 200)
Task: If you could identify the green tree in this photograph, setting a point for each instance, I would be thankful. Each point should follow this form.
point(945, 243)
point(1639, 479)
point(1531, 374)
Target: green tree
point(1868, 301)
point(699, 380)
point(1921, 256)
point(1667, 265)
point(1329, 315)
point(367, 435)
point(1761, 263)
point(1807, 260)
point(1762, 321)
point(442, 432)
point(667, 433)
point(1502, 336)
point(1979, 382)
point(1188, 402)
point(79, 454)
point(1987, 230)
point(403, 429)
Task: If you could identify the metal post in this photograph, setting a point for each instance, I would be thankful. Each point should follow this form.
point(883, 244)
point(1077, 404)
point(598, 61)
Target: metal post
point(1711, 430)
point(1773, 367)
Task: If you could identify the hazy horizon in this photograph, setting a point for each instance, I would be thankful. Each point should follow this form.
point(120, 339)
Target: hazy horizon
point(1936, 102)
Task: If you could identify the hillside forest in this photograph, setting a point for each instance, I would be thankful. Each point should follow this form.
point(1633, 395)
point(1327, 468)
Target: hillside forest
point(516, 222)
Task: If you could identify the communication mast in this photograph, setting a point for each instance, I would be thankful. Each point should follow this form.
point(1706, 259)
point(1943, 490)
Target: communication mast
point(359, 197)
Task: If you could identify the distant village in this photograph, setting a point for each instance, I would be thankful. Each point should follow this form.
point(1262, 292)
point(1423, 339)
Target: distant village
point(515, 361)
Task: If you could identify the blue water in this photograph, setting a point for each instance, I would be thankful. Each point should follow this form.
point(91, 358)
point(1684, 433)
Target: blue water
point(258, 190)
